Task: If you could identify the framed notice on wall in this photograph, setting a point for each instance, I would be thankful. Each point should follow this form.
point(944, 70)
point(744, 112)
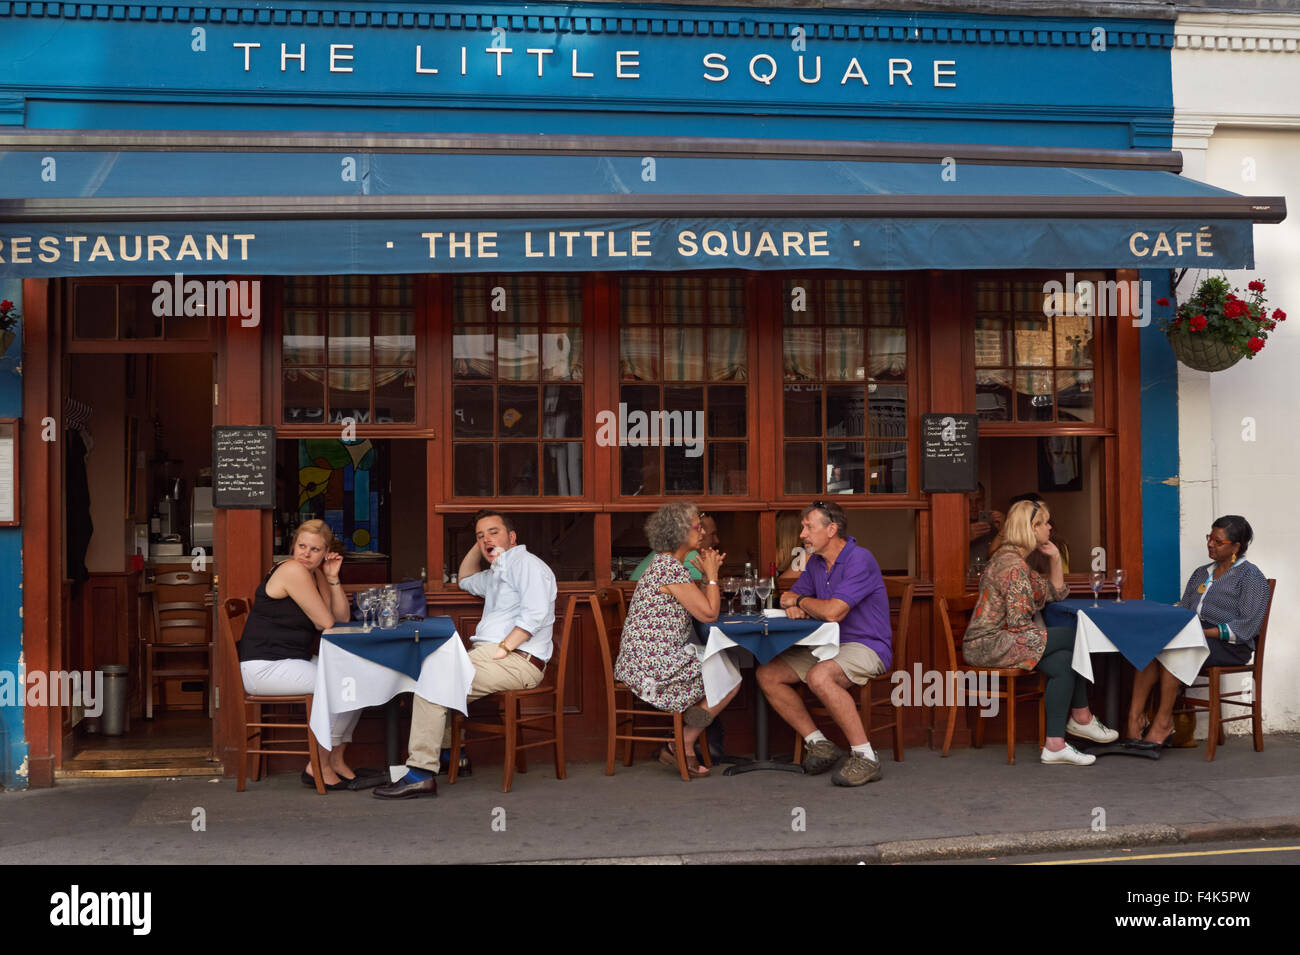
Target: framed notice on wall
point(243, 467)
point(949, 453)
point(10, 507)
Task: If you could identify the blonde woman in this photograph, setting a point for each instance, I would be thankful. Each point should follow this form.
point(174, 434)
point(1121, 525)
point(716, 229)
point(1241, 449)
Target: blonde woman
point(295, 602)
point(1006, 631)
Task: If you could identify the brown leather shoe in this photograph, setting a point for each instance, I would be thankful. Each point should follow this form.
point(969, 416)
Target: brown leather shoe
point(406, 790)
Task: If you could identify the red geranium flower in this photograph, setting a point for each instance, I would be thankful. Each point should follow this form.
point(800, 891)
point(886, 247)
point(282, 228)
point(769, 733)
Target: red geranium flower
point(1197, 323)
point(1279, 315)
point(6, 305)
point(1255, 344)
point(1162, 301)
point(1256, 286)
point(1235, 308)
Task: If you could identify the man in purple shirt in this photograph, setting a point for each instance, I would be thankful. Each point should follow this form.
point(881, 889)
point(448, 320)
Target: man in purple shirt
point(841, 584)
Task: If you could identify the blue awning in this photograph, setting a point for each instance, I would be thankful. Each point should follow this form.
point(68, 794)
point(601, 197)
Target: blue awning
point(131, 211)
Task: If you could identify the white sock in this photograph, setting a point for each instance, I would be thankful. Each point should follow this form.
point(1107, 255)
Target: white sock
point(865, 751)
point(816, 736)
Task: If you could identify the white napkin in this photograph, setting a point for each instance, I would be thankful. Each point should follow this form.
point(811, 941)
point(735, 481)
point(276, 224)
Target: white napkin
point(774, 612)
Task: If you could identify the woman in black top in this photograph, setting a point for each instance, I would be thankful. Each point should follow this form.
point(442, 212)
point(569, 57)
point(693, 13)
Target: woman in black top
point(294, 603)
point(1230, 596)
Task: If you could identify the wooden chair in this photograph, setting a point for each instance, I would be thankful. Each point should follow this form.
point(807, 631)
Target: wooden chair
point(896, 589)
point(609, 610)
point(1217, 699)
point(1014, 685)
point(246, 705)
point(510, 722)
point(172, 615)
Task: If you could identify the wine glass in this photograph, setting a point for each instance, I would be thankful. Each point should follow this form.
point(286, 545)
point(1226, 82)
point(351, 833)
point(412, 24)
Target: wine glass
point(731, 587)
point(1098, 578)
point(366, 603)
point(763, 588)
point(1119, 583)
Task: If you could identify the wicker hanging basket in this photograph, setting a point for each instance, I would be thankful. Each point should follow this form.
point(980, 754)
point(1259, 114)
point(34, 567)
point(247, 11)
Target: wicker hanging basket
point(1203, 353)
point(6, 339)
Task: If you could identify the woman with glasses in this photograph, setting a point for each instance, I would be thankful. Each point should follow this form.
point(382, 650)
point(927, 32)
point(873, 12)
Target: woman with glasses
point(1006, 630)
point(656, 658)
point(1230, 596)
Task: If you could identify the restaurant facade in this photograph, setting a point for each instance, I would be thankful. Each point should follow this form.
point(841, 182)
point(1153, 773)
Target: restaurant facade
point(573, 261)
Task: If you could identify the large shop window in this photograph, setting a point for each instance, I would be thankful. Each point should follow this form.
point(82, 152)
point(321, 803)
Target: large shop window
point(148, 309)
point(683, 360)
point(846, 375)
point(348, 347)
point(1030, 367)
point(517, 372)
point(564, 540)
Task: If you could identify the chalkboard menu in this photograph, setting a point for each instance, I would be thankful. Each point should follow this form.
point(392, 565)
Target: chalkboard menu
point(949, 453)
point(243, 467)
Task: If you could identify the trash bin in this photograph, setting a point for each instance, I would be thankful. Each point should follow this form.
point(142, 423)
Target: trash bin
point(113, 718)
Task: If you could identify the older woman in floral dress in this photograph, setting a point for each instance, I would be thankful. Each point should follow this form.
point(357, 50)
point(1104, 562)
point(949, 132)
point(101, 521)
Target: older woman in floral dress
point(1004, 632)
point(656, 658)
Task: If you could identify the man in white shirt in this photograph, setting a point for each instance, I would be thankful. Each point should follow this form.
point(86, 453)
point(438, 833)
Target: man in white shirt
point(511, 644)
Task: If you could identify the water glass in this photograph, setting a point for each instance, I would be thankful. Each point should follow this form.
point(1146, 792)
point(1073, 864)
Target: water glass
point(1098, 578)
point(1119, 585)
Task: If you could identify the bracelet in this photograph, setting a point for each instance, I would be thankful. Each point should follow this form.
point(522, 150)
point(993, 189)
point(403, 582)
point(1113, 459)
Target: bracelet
point(799, 603)
point(1223, 632)
point(334, 583)
point(710, 583)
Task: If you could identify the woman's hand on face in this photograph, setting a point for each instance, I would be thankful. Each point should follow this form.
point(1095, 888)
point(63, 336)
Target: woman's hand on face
point(709, 562)
point(1050, 549)
point(331, 566)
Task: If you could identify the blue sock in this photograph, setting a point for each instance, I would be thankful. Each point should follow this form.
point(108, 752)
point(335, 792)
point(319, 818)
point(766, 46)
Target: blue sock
point(416, 775)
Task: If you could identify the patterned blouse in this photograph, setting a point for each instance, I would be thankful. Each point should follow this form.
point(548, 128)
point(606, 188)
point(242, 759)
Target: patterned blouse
point(1239, 599)
point(656, 657)
point(1002, 631)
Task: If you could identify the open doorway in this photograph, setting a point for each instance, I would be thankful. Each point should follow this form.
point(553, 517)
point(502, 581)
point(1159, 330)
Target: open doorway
point(137, 506)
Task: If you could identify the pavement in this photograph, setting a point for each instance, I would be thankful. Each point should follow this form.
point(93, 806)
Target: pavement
point(967, 805)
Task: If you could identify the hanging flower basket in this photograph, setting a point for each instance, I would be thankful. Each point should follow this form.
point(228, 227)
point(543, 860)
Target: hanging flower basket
point(1201, 353)
point(8, 319)
point(1216, 328)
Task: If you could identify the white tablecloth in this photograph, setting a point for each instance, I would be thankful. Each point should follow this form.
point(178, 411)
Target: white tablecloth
point(720, 657)
point(345, 681)
point(1182, 656)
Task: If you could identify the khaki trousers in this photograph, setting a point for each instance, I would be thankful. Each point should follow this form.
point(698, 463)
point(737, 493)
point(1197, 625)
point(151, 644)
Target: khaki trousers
point(429, 730)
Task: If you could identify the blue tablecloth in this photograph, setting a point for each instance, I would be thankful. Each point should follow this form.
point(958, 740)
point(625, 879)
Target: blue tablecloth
point(397, 649)
point(1139, 629)
point(747, 631)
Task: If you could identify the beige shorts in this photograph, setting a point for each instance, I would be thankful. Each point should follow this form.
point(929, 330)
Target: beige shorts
point(858, 661)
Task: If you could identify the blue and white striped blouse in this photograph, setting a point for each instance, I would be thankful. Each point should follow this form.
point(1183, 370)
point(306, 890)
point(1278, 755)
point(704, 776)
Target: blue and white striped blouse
point(1239, 598)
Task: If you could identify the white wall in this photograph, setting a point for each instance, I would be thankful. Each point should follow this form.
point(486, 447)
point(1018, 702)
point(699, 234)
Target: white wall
point(1237, 122)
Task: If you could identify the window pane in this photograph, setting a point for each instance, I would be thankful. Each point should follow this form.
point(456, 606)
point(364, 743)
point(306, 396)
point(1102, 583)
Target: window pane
point(562, 354)
point(517, 354)
point(684, 300)
point(1033, 341)
point(887, 411)
point(803, 468)
point(1074, 395)
point(993, 394)
point(96, 311)
point(136, 318)
point(349, 289)
point(727, 462)
point(395, 395)
point(564, 299)
point(304, 396)
point(395, 338)
point(473, 415)
point(473, 471)
point(349, 341)
point(394, 289)
point(1034, 395)
point(1074, 341)
point(727, 354)
point(637, 299)
point(518, 469)
point(349, 394)
point(727, 411)
point(803, 410)
point(798, 301)
point(991, 342)
point(846, 467)
point(844, 302)
point(562, 411)
point(802, 354)
point(844, 354)
point(523, 298)
point(638, 350)
point(472, 352)
point(887, 348)
point(683, 354)
point(885, 302)
point(888, 467)
point(517, 414)
point(846, 411)
point(470, 299)
point(301, 290)
point(303, 340)
point(726, 301)
point(639, 470)
point(684, 474)
point(563, 464)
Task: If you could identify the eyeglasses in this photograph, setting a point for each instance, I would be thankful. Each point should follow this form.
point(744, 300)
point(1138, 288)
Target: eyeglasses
point(1216, 541)
point(697, 527)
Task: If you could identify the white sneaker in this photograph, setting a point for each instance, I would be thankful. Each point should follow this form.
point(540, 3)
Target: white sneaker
point(1097, 731)
point(1068, 756)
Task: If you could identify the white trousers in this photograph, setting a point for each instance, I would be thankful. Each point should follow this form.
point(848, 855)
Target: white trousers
point(290, 678)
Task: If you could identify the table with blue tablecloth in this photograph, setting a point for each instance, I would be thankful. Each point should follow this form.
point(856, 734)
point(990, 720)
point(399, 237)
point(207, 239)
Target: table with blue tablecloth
point(1140, 630)
point(359, 667)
